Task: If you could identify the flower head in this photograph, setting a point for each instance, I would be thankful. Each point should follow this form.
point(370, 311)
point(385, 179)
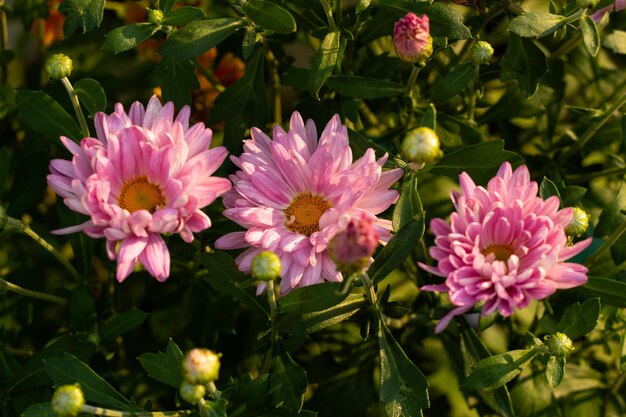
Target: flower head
point(293, 193)
point(351, 248)
point(504, 246)
point(59, 66)
point(67, 400)
point(201, 366)
point(421, 145)
point(559, 344)
point(615, 7)
point(266, 266)
point(411, 38)
point(481, 53)
point(145, 174)
point(579, 223)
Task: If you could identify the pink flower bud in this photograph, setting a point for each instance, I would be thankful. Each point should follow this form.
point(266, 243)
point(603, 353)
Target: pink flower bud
point(352, 247)
point(412, 40)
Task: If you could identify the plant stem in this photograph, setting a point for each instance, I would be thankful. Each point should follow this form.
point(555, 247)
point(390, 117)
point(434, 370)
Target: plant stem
point(79, 112)
point(271, 298)
point(607, 244)
point(4, 40)
point(412, 79)
point(604, 173)
point(278, 112)
point(215, 393)
point(371, 295)
point(209, 76)
point(30, 293)
point(99, 411)
point(329, 14)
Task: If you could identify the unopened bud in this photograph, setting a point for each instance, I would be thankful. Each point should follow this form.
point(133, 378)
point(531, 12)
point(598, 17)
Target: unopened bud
point(192, 393)
point(481, 53)
point(68, 400)
point(412, 40)
point(352, 247)
point(559, 344)
point(59, 66)
point(421, 145)
point(201, 366)
point(155, 16)
point(266, 266)
point(579, 223)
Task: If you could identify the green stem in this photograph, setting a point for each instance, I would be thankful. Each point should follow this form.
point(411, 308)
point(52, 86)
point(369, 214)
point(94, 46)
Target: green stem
point(209, 76)
point(607, 244)
point(30, 293)
point(278, 112)
point(371, 295)
point(14, 224)
point(329, 14)
point(271, 298)
point(577, 178)
point(79, 112)
point(99, 411)
point(412, 79)
point(588, 134)
point(4, 39)
point(215, 393)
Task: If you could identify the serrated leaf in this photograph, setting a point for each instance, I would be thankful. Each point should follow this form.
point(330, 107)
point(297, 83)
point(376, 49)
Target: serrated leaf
point(610, 291)
point(182, 16)
point(288, 382)
point(165, 367)
point(403, 387)
point(536, 24)
point(409, 204)
point(579, 319)
point(43, 114)
point(454, 82)
point(591, 37)
point(555, 371)
point(495, 371)
point(324, 64)
point(524, 62)
point(270, 16)
point(121, 323)
point(364, 87)
point(177, 79)
point(198, 37)
point(616, 41)
point(127, 37)
point(312, 298)
point(91, 95)
point(397, 249)
point(84, 14)
point(71, 370)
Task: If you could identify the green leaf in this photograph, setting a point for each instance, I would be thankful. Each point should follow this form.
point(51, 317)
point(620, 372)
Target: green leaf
point(524, 62)
point(362, 5)
point(555, 371)
point(300, 324)
point(177, 79)
point(39, 410)
point(397, 249)
point(215, 408)
point(497, 370)
point(127, 37)
point(91, 95)
point(166, 5)
point(288, 382)
point(364, 87)
point(43, 114)
point(455, 132)
point(480, 161)
point(429, 119)
point(165, 367)
point(84, 14)
point(403, 387)
point(616, 41)
point(198, 37)
point(409, 205)
point(225, 277)
point(249, 42)
point(591, 37)
point(182, 16)
point(535, 24)
point(532, 396)
point(121, 323)
point(324, 64)
point(548, 189)
point(70, 370)
point(622, 356)
point(270, 16)
point(454, 82)
point(360, 144)
point(610, 291)
point(312, 298)
point(579, 319)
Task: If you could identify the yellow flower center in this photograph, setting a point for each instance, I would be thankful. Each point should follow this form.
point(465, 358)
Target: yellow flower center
point(139, 194)
point(501, 252)
point(303, 214)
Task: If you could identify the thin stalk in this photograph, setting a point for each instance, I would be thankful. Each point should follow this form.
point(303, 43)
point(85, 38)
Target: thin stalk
point(4, 39)
point(215, 393)
point(99, 411)
point(271, 298)
point(30, 293)
point(209, 76)
point(329, 14)
point(25, 229)
point(607, 244)
point(79, 112)
point(371, 295)
point(577, 178)
point(278, 112)
point(412, 79)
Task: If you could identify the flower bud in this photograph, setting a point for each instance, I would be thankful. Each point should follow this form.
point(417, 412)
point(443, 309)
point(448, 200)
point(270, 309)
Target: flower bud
point(59, 66)
point(559, 344)
point(192, 393)
point(201, 366)
point(481, 53)
point(412, 40)
point(579, 223)
point(421, 145)
point(266, 266)
point(155, 16)
point(586, 4)
point(352, 247)
point(68, 400)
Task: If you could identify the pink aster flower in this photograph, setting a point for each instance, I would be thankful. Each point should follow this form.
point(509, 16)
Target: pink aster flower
point(411, 38)
point(504, 246)
point(293, 193)
point(146, 174)
point(615, 7)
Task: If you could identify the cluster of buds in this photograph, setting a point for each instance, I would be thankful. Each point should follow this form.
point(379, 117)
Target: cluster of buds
point(201, 367)
point(351, 248)
point(412, 40)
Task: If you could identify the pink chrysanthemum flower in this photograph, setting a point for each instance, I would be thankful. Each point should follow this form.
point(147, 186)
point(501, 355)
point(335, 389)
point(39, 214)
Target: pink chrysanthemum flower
point(504, 246)
point(411, 38)
point(294, 193)
point(146, 174)
point(615, 7)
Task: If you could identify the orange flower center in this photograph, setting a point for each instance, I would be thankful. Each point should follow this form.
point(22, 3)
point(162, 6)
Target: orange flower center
point(303, 214)
point(501, 252)
point(139, 194)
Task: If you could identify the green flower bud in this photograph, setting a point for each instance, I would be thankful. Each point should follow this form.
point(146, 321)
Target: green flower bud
point(421, 145)
point(266, 266)
point(586, 4)
point(201, 366)
point(559, 344)
point(481, 53)
point(68, 400)
point(155, 16)
point(59, 66)
point(192, 393)
point(579, 223)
